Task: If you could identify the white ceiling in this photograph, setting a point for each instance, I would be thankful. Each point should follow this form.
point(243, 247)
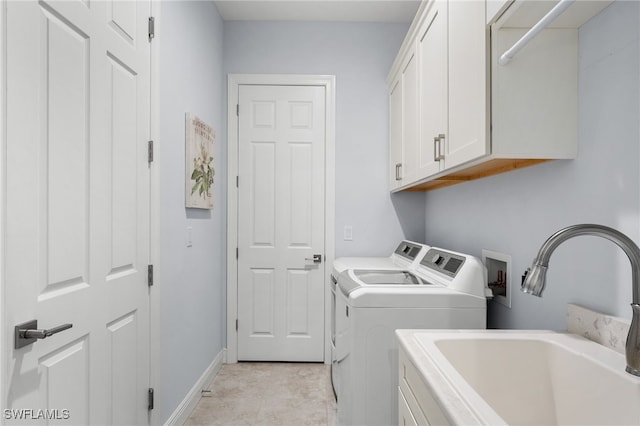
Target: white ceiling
point(318, 10)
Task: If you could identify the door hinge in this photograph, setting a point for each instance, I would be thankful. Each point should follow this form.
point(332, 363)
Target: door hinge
point(237, 181)
point(150, 152)
point(150, 275)
point(236, 324)
point(238, 110)
point(150, 406)
point(152, 28)
point(237, 252)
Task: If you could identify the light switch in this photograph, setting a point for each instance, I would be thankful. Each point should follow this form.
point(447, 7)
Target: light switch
point(348, 233)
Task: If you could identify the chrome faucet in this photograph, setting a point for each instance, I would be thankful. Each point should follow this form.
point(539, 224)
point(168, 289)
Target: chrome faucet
point(535, 277)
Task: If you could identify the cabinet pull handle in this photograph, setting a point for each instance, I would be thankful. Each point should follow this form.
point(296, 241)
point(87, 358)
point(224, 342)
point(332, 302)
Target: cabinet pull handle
point(398, 168)
point(436, 155)
point(440, 139)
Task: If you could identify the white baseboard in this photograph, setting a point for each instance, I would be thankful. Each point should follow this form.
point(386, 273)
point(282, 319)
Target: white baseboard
point(183, 411)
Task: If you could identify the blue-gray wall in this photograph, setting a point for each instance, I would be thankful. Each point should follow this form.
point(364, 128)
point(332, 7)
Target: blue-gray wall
point(514, 213)
point(360, 56)
point(192, 279)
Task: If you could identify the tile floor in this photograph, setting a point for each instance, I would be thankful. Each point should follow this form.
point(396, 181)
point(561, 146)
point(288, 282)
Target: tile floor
point(269, 394)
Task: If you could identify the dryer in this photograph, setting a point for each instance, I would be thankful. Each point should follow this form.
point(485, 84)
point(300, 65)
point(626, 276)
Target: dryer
point(446, 290)
point(406, 256)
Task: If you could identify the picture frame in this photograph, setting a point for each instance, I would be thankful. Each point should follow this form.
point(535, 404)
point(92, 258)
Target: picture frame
point(199, 154)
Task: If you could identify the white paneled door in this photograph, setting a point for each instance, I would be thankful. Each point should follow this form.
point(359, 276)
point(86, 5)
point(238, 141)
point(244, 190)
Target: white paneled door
point(77, 210)
point(281, 223)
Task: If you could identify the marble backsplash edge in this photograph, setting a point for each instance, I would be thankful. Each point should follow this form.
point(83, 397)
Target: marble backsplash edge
point(604, 329)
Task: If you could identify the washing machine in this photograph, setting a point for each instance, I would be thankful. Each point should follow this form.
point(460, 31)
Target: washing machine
point(406, 256)
point(446, 290)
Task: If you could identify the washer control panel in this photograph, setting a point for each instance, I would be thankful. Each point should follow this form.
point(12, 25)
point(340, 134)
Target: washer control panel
point(408, 250)
point(443, 262)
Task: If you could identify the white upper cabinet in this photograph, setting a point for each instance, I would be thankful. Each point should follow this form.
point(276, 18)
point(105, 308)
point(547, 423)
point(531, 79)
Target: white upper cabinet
point(403, 122)
point(477, 117)
point(395, 133)
point(432, 57)
point(446, 49)
point(468, 98)
point(410, 118)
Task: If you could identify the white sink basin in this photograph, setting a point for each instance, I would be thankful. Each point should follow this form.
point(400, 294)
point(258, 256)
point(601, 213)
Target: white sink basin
point(526, 378)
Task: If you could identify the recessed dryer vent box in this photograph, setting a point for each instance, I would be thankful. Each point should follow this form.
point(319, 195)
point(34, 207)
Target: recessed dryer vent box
point(498, 275)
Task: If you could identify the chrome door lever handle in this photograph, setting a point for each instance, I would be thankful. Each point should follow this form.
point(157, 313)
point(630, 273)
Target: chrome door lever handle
point(43, 334)
point(28, 332)
point(317, 258)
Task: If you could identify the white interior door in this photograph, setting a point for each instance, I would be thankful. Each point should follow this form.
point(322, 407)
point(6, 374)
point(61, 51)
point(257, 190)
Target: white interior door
point(77, 209)
point(281, 223)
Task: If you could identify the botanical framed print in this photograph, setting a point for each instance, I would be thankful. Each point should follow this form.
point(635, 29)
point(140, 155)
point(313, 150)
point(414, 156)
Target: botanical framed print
point(199, 144)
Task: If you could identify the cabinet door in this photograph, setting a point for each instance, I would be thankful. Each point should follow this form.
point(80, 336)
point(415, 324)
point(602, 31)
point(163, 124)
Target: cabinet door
point(405, 416)
point(410, 119)
point(395, 134)
point(432, 53)
point(468, 99)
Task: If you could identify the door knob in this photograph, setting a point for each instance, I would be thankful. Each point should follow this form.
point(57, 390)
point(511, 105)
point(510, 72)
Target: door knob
point(28, 332)
point(317, 258)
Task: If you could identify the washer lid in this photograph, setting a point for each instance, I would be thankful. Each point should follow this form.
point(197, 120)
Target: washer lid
point(353, 279)
point(388, 277)
point(374, 263)
point(406, 255)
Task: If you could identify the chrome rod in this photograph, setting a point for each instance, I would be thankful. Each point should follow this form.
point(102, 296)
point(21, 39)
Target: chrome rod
point(534, 31)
